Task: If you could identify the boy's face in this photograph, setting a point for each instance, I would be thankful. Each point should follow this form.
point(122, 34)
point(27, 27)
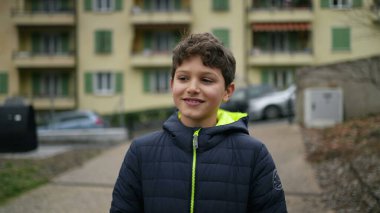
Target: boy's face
point(198, 91)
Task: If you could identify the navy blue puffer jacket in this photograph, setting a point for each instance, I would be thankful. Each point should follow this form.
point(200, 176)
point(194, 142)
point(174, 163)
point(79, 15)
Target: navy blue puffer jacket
point(181, 170)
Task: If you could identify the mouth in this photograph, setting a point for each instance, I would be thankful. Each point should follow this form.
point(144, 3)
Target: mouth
point(193, 101)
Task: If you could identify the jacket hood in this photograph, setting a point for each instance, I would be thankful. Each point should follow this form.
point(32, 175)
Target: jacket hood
point(228, 122)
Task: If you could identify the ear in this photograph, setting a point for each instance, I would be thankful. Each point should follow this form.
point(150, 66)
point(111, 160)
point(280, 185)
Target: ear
point(229, 91)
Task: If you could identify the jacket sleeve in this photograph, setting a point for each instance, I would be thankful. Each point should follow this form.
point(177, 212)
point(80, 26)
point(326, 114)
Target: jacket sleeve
point(127, 193)
point(266, 193)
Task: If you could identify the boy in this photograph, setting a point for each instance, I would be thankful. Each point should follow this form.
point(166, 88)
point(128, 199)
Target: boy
point(204, 159)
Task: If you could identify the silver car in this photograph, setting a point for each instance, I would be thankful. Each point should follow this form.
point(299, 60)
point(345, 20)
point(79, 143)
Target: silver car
point(273, 105)
point(79, 119)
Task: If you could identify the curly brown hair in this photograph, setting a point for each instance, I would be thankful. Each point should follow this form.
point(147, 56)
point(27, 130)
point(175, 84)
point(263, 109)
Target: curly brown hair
point(212, 52)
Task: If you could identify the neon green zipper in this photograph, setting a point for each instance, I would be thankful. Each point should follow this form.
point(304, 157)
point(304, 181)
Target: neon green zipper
point(195, 147)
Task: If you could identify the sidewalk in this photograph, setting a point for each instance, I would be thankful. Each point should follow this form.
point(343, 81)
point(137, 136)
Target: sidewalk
point(89, 188)
point(285, 144)
point(85, 189)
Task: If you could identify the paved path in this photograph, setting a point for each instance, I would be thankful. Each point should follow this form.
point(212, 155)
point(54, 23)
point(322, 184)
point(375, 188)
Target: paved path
point(285, 144)
point(89, 188)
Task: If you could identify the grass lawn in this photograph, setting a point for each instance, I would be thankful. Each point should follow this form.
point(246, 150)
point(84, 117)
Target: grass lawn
point(20, 175)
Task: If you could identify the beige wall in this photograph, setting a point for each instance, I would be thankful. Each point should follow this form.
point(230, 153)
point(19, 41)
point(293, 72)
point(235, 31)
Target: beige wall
point(365, 40)
point(88, 61)
point(8, 44)
point(205, 20)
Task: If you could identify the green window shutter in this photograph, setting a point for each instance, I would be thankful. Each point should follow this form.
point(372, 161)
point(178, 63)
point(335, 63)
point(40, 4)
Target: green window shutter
point(103, 41)
point(119, 82)
point(220, 5)
point(293, 41)
point(65, 84)
point(146, 80)
point(36, 84)
point(64, 5)
point(107, 38)
point(35, 5)
point(223, 35)
point(177, 4)
point(147, 5)
point(148, 40)
point(88, 86)
point(35, 43)
point(3, 83)
point(98, 41)
point(357, 3)
point(261, 41)
point(325, 3)
point(177, 37)
point(264, 76)
point(88, 5)
point(341, 39)
point(65, 42)
point(118, 5)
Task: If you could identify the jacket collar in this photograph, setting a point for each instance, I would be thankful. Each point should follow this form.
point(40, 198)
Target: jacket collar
point(228, 122)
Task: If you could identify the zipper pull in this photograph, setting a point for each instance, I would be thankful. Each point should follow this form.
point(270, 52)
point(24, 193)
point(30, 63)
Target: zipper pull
point(195, 141)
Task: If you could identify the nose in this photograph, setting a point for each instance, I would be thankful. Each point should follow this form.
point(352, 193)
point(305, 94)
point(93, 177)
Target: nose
point(193, 87)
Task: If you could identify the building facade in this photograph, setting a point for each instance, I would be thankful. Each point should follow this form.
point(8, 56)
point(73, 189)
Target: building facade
point(115, 55)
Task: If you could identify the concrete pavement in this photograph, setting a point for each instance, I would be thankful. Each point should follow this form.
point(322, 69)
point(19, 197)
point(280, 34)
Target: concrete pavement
point(285, 144)
point(89, 188)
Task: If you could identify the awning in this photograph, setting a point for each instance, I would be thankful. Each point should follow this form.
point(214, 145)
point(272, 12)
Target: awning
point(260, 27)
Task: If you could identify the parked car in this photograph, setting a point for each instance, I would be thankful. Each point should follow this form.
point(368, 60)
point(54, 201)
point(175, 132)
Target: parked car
point(273, 105)
point(80, 119)
point(240, 98)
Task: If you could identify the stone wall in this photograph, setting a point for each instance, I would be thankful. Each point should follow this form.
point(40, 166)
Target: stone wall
point(359, 80)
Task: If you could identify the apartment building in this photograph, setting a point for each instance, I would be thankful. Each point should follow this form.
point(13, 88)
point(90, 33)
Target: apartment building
point(115, 55)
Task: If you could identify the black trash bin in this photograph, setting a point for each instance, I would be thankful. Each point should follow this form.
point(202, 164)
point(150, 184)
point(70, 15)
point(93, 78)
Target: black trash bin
point(18, 131)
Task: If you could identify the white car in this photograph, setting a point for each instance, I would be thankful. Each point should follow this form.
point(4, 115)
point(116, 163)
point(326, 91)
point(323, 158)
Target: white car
point(273, 105)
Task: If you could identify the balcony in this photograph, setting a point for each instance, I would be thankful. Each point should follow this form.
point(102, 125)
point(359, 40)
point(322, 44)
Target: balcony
point(58, 103)
point(25, 59)
point(281, 11)
point(42, 18)
point(151, 59)
point(297, 58)
point(141, 17)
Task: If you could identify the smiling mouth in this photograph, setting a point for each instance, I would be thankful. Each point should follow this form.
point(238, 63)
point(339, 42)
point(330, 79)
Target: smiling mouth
point(193, 101)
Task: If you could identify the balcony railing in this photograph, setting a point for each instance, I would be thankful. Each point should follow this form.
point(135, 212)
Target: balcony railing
point(26, 59)
point(275, 57)
point(283, 5)
point(41, 17)
point(151, 58)
point(172, 16)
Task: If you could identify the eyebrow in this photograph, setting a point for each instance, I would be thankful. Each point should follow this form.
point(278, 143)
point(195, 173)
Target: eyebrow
point(209, 72)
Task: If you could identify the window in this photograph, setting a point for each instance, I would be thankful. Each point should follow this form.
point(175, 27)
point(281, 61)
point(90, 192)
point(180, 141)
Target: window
point(49, 5)
point(50, 43)
point(159, 41)
point(50, 84)
point(162, 5)
point(3, 83)
point(220, 5)
point(340, 4)
point(103, 5)
point(156, 80)
point(103, 41)
point(341, 39)
point(104, 83)
point(223, 35)
point(277, 77)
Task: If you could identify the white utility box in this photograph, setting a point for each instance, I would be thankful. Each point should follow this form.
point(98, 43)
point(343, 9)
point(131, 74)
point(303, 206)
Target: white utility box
point(323, 107)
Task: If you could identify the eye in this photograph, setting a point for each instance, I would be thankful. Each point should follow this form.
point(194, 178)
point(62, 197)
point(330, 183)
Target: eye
point(182, 78)
point(207, 80)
